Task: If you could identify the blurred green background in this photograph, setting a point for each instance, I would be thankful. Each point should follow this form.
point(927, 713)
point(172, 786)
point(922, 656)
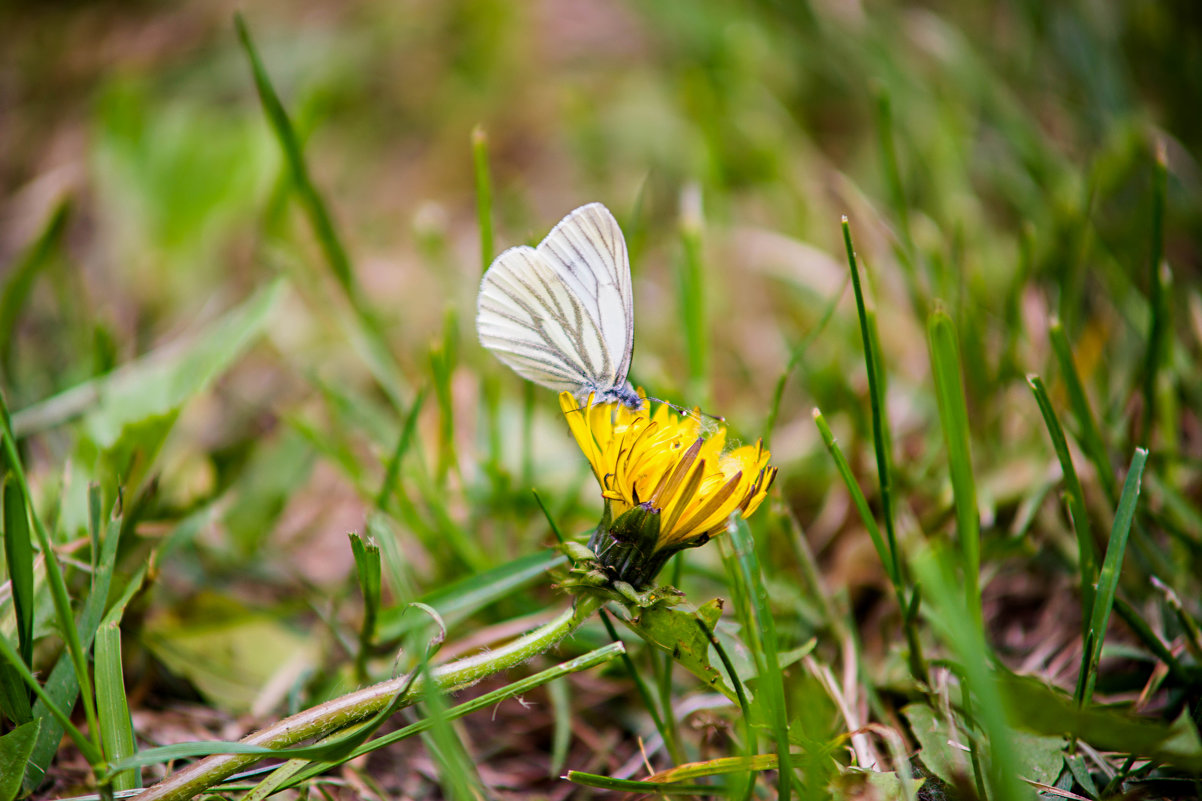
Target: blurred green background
point(997, 158)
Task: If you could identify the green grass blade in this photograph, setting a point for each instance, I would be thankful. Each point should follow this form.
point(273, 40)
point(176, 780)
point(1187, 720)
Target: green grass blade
point(116, 729)
point(1108, 579)
point(690, 286)
point(62, 688)
point(880, 438)
point(560, 694)
point(893, 181)
point(547, 514)
point(953, 416)
point(377, 353)
point(443, 358)
point(311, 200)
point(462, 598)
point(1087, 560)
point(749, 745)
point(761, 639)
point(1089, 434)
point(483, 195)
point(795, 360)
point(909, 621)
point(961, 632)
point(634, 786)
point(48, 706)
point(1158, 307)
point(367, 566)
point(58, 587)
point(21, 277)
point(857, 497)
point(18, 554)
point(649, 703)
point(389, 485)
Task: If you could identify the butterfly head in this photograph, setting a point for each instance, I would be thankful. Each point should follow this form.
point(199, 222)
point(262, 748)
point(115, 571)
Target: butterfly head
point(624, 395)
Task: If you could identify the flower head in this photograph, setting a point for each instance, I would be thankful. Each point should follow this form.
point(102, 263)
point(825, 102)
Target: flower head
point(668, 484)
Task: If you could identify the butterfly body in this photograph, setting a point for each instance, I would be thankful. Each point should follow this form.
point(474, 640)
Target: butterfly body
point(562, 314)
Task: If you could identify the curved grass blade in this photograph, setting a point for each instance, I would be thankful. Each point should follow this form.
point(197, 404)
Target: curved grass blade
point(62, 606)
point(21, 277)
point(744, 707)
point(961, 632)
point(116, 729)
point(880, 437)
point(763, 645)
point(1108, 579)
point(690, 284)
point(18, 554)
point(953, 416)
point(377, 354)
point(632, 786)
point(483, 195)
point(1087, 559)
point(1158, 308)
point(1089, 434)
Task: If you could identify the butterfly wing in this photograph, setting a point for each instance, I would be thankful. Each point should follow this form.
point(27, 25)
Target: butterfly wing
point(562, 314)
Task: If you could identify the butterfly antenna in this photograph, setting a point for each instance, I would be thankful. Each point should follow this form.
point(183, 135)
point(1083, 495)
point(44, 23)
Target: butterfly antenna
point(694, 413)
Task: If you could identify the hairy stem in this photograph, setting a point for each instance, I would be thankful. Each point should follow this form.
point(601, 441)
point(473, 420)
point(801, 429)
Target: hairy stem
point(335, 714)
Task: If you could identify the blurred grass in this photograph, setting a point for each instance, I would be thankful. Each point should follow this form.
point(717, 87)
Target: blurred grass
point(231, 321)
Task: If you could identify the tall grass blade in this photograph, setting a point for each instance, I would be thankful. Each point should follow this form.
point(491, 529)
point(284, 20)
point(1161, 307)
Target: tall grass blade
point(116, 729)
point(1108, 579)
point(58, 588)
point(691, 293)
point(378, 355)
point(483, 195)
point(20, 281)
point(880, 422)
point(761, 639)
point(1158, 307)
point(961, 632)
point(917, 663)
point(63, 686)
point(749, 745)
point(390, 485)
point(795, 360)
point(953, 416)
point(1087, 559)
point(636, 676)
point(367, 566)
point(18, 555)
point(560, 694)
point(1089, 434)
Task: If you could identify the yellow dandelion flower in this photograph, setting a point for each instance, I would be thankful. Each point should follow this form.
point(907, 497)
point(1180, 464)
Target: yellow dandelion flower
point(667, 484)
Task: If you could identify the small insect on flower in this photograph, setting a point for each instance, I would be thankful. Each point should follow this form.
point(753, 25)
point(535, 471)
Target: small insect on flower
point(667, 484)
point(562, 314)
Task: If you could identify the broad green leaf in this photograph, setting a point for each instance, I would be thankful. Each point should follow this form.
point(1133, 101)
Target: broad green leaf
point(945, 760)
point(156, 385)
point(15, 748)
point(230, 654)
point(1048, 711)
point(459, 599)
point(676, 631)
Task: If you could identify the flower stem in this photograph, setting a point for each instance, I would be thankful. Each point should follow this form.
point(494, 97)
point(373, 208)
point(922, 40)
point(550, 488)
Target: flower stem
point(335, 714)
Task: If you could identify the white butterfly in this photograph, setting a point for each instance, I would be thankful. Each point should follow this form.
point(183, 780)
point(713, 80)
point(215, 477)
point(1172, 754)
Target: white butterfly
point(562, 314)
